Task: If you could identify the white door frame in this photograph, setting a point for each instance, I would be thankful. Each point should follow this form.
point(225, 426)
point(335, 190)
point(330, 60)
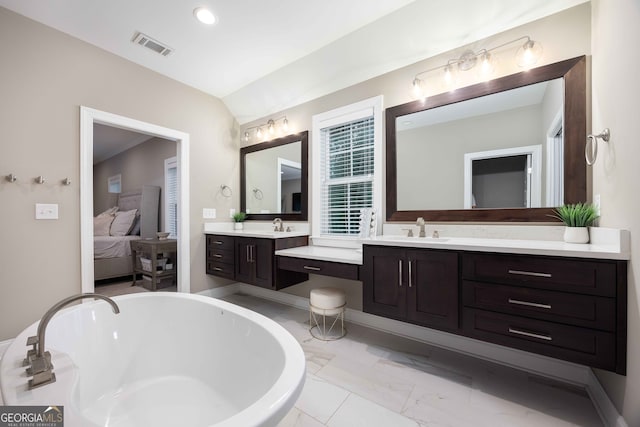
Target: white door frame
point(534, 177)
point(89, 116)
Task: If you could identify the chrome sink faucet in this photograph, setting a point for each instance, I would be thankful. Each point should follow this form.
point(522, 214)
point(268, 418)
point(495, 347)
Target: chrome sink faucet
point(38, 359)
point(420, 223)
point(278, 225)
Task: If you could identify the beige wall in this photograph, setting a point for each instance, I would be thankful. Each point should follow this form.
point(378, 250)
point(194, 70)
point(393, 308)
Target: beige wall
point(138, 166)
point(615, 89)
point(45, 77)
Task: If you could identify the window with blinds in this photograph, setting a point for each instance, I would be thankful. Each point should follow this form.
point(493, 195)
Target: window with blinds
point(171, 197)
point(347, 175)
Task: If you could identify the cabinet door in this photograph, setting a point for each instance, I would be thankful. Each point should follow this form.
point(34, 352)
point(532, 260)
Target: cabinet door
point(244, 266)
point(263, 259)
point(433, 289)
point(384, 281)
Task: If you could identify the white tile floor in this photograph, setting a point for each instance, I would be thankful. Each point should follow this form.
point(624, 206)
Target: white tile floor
point(371, 379)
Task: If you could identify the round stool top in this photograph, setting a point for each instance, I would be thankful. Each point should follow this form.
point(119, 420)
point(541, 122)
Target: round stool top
point(327, 298)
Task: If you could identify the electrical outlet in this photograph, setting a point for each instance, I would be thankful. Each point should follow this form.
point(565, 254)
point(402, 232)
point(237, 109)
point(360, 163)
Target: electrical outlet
point(232, 212)
point(208, 213)
point(596, 203)
point(46, 211)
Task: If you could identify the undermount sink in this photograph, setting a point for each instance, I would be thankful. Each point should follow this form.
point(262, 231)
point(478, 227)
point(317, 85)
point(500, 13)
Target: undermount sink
point(415, 239)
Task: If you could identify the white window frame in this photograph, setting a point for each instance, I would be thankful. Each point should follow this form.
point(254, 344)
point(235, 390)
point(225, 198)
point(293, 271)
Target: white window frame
point(171, 162)
point(359, 110)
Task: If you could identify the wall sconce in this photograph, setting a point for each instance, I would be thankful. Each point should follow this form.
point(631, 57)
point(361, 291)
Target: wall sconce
point(270, 127)
point(527, 55)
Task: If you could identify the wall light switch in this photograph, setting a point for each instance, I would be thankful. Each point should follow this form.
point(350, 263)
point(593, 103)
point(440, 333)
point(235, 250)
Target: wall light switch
point(209, 213)
point(596, 203)
point(231, 212)
point(46, 211)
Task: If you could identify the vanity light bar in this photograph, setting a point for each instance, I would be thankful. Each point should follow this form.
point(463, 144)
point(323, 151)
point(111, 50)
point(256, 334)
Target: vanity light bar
point(270, 127)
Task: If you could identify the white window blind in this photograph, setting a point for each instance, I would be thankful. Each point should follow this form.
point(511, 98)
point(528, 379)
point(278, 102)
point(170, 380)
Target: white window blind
point(346, 174)
point(171, 197)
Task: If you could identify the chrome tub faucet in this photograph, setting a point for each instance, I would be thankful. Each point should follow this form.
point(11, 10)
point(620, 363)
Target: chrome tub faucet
point(39, 360)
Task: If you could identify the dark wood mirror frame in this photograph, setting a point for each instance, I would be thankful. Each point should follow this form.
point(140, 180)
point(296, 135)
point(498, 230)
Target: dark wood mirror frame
point(575, 133)
point(303, 137)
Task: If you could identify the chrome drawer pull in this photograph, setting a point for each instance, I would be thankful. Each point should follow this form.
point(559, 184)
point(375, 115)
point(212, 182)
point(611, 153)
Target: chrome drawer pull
point(217, 268)
point(529, 273)
point(217, 255)
point(400, 272)
point(308, 267)
point(529, 304)
point(410, 272)
point(217, 242)
point(529, 334)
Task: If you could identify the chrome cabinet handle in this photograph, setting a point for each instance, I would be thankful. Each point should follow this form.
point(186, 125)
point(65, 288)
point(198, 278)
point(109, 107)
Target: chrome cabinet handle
point(217, 255)
point(529, 304)
point(247, 253)
point(217, 242)
point(410, 262)
point(400, 272)
point(529, 273)
point(217, 268)
point(251, 258)
point(308, 267)
point(529, 334)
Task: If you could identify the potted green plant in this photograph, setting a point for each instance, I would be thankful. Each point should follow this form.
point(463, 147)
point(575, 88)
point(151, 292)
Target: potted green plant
point(238, 219)
point(577, 218)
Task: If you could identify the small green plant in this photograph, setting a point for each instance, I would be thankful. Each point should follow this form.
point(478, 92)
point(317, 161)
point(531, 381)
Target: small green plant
point(239, 216)
point(578, 215)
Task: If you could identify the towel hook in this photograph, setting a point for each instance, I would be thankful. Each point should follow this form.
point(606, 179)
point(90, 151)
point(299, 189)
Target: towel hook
point(225, 190)
point(591, 147)
point(11, 178)
point(257, 193)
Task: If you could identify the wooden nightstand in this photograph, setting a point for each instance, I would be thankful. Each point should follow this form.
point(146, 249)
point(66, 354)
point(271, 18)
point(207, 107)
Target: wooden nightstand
point(151, 249)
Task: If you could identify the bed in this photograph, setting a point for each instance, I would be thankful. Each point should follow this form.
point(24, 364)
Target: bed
point(112, 254)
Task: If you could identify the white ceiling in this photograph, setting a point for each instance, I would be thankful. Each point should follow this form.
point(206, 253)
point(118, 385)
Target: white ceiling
point(109, 141)
point(267, 55)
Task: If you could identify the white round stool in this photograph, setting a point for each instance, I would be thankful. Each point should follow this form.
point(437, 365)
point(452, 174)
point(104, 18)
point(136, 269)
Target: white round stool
point(327, 303)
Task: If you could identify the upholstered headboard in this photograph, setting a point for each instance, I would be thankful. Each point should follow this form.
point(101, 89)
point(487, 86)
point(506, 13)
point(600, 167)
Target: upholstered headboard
point(147, 201)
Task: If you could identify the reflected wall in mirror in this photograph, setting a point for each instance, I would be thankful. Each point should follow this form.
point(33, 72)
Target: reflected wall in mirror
point(505, 150)
point(274, 178)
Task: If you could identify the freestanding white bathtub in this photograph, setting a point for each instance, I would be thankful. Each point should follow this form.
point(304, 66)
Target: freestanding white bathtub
point(166, 360)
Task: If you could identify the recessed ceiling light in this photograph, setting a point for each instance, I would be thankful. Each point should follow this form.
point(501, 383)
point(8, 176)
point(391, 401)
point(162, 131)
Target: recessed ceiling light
point(204, 15)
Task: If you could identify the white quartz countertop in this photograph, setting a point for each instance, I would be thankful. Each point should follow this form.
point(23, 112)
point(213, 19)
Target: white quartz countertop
point(324, 253)
point(609, 249)
point(259, 233)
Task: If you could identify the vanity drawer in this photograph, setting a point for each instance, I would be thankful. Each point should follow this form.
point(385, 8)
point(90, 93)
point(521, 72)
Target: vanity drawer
point(220, 242)
point(221, 269)
point(325, 268)
point(573, 343)
point(581, 310)
point(570, 275)
point(220, 255)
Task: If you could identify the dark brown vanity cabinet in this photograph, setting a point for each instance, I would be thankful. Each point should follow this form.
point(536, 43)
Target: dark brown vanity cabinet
point(251, 260)
point(254, 261)
point(571, 309)
point(414, 285)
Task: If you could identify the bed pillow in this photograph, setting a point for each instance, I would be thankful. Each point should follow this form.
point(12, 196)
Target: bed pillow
point(123, 222)
point(110, 211)
point(102, 225)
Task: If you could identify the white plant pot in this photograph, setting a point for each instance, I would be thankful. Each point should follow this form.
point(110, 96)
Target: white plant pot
point(576, 234)
point(238, 226)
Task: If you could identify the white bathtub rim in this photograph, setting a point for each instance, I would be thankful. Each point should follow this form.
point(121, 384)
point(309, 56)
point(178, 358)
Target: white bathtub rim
point(267, 410)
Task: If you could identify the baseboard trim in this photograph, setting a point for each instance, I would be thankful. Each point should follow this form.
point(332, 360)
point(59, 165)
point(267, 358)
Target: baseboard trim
point(560, 370)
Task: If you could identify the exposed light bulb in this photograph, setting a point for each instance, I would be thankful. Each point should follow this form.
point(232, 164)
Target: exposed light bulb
point(271, 126)
point(449, 78)
point(246, 137)
point(204, 15)
point(486, 66)
point(285, 124)
point(259, 133)
point(417, 88)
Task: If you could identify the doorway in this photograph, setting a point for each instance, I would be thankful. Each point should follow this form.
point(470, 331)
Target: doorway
point(88, 118)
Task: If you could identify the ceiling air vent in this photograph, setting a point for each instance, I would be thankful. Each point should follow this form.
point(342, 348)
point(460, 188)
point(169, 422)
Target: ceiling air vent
point(149, 43)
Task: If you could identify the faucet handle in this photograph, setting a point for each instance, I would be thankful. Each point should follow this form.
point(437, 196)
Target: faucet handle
point(31, 353)
point(409, 232)
point(435, 234)
point(420, 221)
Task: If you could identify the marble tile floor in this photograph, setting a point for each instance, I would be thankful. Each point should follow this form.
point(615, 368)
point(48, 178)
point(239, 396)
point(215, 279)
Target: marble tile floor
point(370, 378)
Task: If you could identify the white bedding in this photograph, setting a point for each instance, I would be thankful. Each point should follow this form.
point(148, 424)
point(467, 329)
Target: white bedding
point(112, 246)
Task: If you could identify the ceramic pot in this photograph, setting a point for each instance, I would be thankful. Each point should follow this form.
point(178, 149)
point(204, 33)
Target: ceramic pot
point(576, 234)
point(238, 226)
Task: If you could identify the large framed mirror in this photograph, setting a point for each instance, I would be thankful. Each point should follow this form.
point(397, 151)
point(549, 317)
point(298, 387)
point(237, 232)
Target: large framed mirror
point(507, 150)
point(274, 178)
